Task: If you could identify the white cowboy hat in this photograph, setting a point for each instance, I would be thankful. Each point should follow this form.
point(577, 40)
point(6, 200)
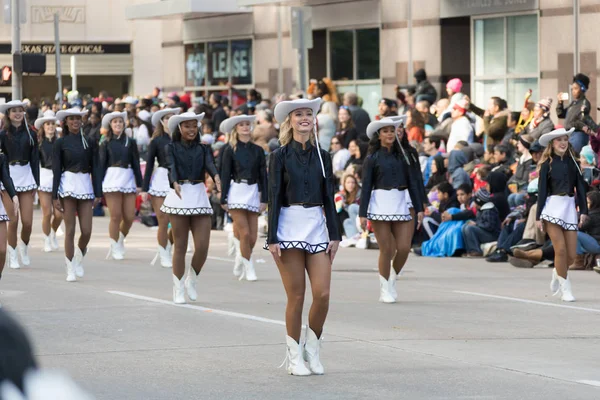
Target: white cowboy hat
point(157, 116)
point(230, 123)
point(375, 126)
point(110, 116)
point(11, 104)
point(283, 109)
point(130, 100)
point(549, 137)
point(62, 114)
point(144, 115)
point(49, 116)
point(398, 118)
point(175, 120)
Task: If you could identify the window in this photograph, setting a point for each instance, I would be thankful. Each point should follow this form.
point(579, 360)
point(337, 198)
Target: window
point(506, 59)
point(354, 64)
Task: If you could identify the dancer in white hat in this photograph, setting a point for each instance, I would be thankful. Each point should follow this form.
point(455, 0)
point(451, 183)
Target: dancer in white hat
point(304, 232)
point(20, 146)
point(387, 201)
point(76, 187)
point(14, 200)
point(122, 180)
point(156, 181)
point(560, 180)
point(187, 203)
point(51, 217)
point(244, 177)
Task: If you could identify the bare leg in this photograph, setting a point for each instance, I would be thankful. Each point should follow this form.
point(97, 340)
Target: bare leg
point(13, 224)
point(57, 220)
point(557, 237)
point(318, 267)
point(200, 225)
point(387, 246)
point(163, 221)
point(70, 206)
point(114, 201)
point(571, 243)
point(403, 234)
point(26, 214)
point(253, 227)
point(85, 212)
point(128, 213)
point(242, 231)
point(3, 231)
point(292, 270)
point(46, 204)
point(180, 225)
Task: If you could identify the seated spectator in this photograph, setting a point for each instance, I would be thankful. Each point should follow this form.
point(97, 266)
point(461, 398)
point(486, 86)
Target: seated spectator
point(431, 146)
point(438, 173)
point(461, 128)
point(423, 107)
point(456, 162)
point(485, 228)
point(447, 199)
point(502, 159)
point(346, 131)
point(517, 184)
point(464, 195)
point(588, 236)
point(415, 126)
point(347, 203)
point(340, 156)
point(358, 152)
point(385, 109)
point(541, 122)
point(587, 159)
point(496, 185)
point(511, 124)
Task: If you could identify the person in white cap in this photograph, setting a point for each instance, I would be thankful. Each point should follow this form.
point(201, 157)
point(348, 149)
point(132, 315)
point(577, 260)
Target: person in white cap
point(560, 180)
point(187, 203)
point(20, 146)
point(303, 228)
point(387, 201)
point(156, 181)
point(51, 217)
point(244, 197)
point(76, 186)
point(122, 180)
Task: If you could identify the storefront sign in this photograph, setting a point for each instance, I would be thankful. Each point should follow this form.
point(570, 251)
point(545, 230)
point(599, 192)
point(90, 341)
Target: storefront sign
point(216, 63)
point(70, 49)
point(463, 8)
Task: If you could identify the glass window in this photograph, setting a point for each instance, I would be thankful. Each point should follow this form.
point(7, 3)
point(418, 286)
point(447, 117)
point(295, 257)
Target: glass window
point(341, 55)
point(195, 65)
point(517, 88)
point(485, 89)
point(367, 53)
point(522, 36)
point(489, 42)
point(241, 62)
point(218, 71)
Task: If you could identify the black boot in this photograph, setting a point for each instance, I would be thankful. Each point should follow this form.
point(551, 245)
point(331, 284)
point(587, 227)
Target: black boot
point(498, 256)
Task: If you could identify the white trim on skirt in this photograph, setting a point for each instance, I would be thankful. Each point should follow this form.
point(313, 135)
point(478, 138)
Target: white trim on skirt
point(390, 205)
point(46, 178)
point(159, 184)
point(561, 211)
point(193, 201)
point(77, 185)
point(302, 228)
point(119, 179)
point(3, 215)
point(242, 196)
point(22, 177)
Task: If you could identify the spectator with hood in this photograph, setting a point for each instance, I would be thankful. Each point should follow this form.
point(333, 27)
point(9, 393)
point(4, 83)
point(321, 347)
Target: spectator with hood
point(424, 89)
point(576, 112)
point(486, 227)
point(496, 183)
point(458, 175)
point(541, 122)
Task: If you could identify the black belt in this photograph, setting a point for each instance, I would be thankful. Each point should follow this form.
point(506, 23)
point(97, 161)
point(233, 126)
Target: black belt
point(18, 162)
point(121, 166)
point(78, 171)
point(181, 182)
point(305, 205)
point(246, 181)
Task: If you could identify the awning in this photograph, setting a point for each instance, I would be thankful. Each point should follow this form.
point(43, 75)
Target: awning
point(183, 9)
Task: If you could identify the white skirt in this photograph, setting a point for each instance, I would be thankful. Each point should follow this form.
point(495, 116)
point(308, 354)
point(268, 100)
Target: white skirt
point(3, 215)
point(390, 205)
point(302, 228)
point(159, 184)
point(243, 197)
point(193, 201)
point(119, 179)
point(560, 210)
point(77, 185)
point(46, 178)
point(22, 177)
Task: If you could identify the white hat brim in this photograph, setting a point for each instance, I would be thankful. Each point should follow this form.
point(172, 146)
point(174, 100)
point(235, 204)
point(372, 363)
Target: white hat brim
point(375, 126)
point(283, 109)
point(175, 120)
point(549, 137)
point(62, 114)
point(11, 104)
point(41, 121)
point(398, 118)
point(110, 116)
point(230, 123)
point(157, 116)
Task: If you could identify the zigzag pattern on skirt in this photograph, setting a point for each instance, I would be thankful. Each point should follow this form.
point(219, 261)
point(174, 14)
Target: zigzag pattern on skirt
point(186, 211)
point(389, 218)
point(45, 189)
point(243, 207)
point(557, 221)
point(157, 193)
point(27, 188)
point(84, 196)
point(292, 244)
point(4, 218)
point(117, 189)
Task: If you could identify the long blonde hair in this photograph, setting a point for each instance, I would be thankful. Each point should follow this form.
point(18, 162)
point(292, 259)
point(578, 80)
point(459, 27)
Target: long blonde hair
point(286, 132)
point(549, 152)
point(232, 137)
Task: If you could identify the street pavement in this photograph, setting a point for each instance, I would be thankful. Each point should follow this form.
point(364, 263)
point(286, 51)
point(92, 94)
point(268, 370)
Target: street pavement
point(462, 329)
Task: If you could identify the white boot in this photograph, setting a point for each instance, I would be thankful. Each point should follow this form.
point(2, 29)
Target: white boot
point(78, 262)
point(392, 284)
point(238, 266)
point(164, 255)
point(230, 244)
point(384, 291)
point(249, 272)
point(13, 258)
point(70, 271)
point(178, 291)
point(554, 283)
point(121, 243)
point(312, 348)
point(53, 240)
point(190, 284)
point(24, 252)
point(190, 247)
point(293, 357)
point(114, 251)
point(565, 289)
point(47, 244)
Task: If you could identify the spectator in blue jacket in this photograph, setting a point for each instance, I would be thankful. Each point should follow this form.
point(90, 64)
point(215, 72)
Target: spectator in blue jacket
point(485, 228)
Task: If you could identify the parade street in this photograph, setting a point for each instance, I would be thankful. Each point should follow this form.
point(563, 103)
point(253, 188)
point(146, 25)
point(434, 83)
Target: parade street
point(462, 328)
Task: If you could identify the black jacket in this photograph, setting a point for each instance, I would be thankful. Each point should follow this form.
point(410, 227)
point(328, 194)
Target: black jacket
point(361, 120)
point(386, 170)
point(156, 150)
point(18, 147)
point(574, 117)
point(295, 177)
point(189, 161)
point(69, 155)
point(121, 152)
point(5, 177)
point(592, 225)
point(245, 163)
point(345, 137)
point(46, 153)
point(219, 115)
point(560, 178)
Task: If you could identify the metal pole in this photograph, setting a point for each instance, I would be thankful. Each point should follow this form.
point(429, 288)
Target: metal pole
point(17, 75)
point(576, 36)
point(73, 73)
point(57, 52)
point(301, 51)
point(411, 71)
point(279, 52)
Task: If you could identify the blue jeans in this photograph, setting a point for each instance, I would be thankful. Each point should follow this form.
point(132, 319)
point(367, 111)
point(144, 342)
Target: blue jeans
point(510, 235)
point(579, 139)
point(349, 223)
point(516, 199)
point(474, 237)
point(587, 244)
